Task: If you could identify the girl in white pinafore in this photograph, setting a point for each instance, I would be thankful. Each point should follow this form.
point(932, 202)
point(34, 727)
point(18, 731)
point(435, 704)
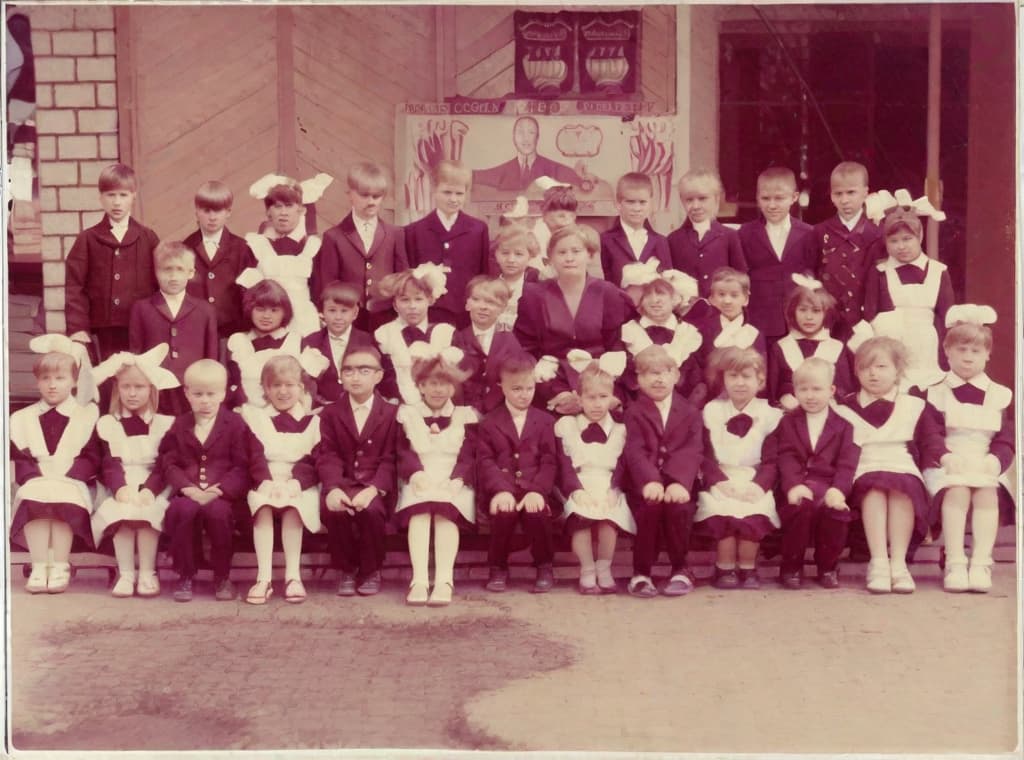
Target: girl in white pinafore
point(289, 434)
point(436, 462)
point(132, 495)
point(55, 460)
point(591, 471)
point(979, 436)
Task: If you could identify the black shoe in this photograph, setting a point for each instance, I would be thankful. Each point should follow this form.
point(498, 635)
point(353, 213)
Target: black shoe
point(545, 580)
point(370, 584)
point(183, 591)
point(829, 579)
point(791, 579)
point(749, 579)
point(497, 579)
point(347, 584)
point(225, 590)
point(725, 579)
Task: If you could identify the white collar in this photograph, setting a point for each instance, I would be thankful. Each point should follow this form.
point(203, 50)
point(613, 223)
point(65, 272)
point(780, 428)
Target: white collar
point(701, 227)
point(816, 417)
point(665, 404)
point(361, 223)
point(981, 381)
point(66, 407)
point(119, 226)
point(849, 225)
point(297, 412)
point(368, 404)
point(208, 423)
point(489, 332)
point(146, 416)
point(174, 302)
point(280, 332)
point(214, 238)
point(784, 225)
point(605, 422)
point(516, 414)
point(730, 323)
point(920, 262)
point(864, 398)
point(298, 234)
point(425, 411)
point(747, 409)
point(515, 285)
point(671, 323)
point(822, 334)
point(343, 338)
point(631, 230)
point(447, 221)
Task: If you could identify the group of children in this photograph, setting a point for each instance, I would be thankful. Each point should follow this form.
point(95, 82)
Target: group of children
point(729, 384)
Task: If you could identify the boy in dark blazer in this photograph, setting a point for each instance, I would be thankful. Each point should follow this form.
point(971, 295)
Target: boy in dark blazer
point(210, 459)
point(664, 450)
point(484, 346)
point(356, 462)
point(220, 257)
point(185, 323)
point(109, 267)
point(631, 238)
point(362, 249)
point(817, 459)
point(517, 464)
point(449, 237)
point(338, 305)
point(775, 247)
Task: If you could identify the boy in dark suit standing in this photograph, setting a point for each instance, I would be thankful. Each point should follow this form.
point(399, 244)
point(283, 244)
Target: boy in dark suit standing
point(338, 305)
point(817, 461)
point(484, 346)
point(631, 238)
point(356, 463)
point(363, 249)
point(185, 323)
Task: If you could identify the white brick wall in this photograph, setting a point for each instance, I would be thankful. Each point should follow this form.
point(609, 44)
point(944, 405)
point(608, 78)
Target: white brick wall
point(76, 96)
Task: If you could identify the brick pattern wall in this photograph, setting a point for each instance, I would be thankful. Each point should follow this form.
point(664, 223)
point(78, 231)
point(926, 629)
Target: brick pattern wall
point(76, 95)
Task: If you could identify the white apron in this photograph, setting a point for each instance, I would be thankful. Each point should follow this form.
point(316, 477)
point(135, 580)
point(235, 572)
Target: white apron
point(594, 464)
point(250, 362)
point(885, 449)
point(389, 338)
point(291, 273)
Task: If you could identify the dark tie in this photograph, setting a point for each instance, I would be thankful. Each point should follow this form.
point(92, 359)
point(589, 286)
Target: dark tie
point(134, 425)
point(659, 335)
point(910, 274)
point(969, 394)
point(285, 246)
point(739, 425)
point(441, 422)
point(411, 334)
point(264, 342)
point(285, 423)
point(807, 346)
point(877, 412)
point(593, 433)
point(53, 424)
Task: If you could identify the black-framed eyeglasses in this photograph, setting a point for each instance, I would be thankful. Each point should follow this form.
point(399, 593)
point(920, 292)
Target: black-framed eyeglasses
point(362, 371)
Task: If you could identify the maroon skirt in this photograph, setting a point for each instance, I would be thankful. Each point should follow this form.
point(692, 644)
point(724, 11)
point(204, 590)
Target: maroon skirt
point(719, 527)
point(926, 515)
point(72, 514)
point(439, 508)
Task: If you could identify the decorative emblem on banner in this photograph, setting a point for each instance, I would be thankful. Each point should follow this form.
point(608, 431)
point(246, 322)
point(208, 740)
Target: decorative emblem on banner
point(608, 52)
point(545, 53)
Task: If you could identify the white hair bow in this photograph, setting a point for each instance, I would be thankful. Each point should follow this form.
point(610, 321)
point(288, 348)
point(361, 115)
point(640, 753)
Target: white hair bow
point(147, 363)
point(546, 183)
point(640, 273)
point(313, 361)
point(435, 276)
point(436, 347)
point(611, 362)
point(262, 186)
point(804, 281)
point(972, 313)
point(519, 211)
point(250, 277)
point(878, 203)
point(862, 331)
point(86, 391)
point(546, 369)
point(312, 189)
point(684, 284)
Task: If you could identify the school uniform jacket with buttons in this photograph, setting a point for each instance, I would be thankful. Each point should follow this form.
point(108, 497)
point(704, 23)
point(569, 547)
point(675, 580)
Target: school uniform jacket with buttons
point(770, 276)
point(190, 336)
point(657, 453)
point(465, 248)
point(214, 281)
point(328, 385)
point(104, 277)
point(343, 257)
point(720, 247)
point(231, 457)
point(482, 389)
point(519, 464)
point(616, 252)
point(831, 462)
point(844, 258)
point(352, 461)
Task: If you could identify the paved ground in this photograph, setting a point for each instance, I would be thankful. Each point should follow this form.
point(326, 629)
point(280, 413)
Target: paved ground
point(766, 671)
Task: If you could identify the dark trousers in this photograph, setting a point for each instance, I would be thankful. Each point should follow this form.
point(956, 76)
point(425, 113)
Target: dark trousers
point(357, 541)
point(182, 523)
point(536, 527)
point(668, 521)
point(804, 522)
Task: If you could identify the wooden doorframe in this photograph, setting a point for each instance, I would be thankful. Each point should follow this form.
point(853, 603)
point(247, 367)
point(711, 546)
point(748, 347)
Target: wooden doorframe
point(127, 94)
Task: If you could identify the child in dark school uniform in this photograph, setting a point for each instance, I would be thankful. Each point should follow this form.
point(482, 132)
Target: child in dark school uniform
point(516, 469)
point(631, 238)
point(664, 448)
point(515, 248)
point(727, 324)
point(338, 305)
point(817, 458)
point(484, 346)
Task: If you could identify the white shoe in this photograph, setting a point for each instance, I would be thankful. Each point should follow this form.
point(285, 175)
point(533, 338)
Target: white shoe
point(58, 578)
point(902, 581)
point(36, 583)
point(149, 585)
point(441, 595)
point(979, 577)
point(879, 580)
point(125, 585)
point(955, 579)
point(417, 595)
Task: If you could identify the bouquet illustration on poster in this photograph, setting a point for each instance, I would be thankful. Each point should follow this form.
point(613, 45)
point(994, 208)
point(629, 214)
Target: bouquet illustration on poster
point(508, 153)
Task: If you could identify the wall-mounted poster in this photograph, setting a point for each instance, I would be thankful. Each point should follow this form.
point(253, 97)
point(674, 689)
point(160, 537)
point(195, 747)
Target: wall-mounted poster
point(545, 53)
point(608, 52)
point(507, 153)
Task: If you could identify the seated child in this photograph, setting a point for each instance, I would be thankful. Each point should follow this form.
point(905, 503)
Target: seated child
point(55, 460)
point(185, 323)
point(209, 458)
point(289, 434)
point(736, 506)
point(338, 304)
point(109, 267)
point(220, 257)
point(662, 456)
point(817, 458)
point(450, 238)
point(847, 245)
point(590, 476)
point(436, 462)
point(484, 347)
point(516, 469)
point(702, 244)
point(514, 248)
point(658, 295)
point(810, 311)
point(727, 325)
point(898, 435)
point(413, 292)
point(631, 238)
point(129, 438)
point(979, 436)
point(356, 466)
point(362, 249)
